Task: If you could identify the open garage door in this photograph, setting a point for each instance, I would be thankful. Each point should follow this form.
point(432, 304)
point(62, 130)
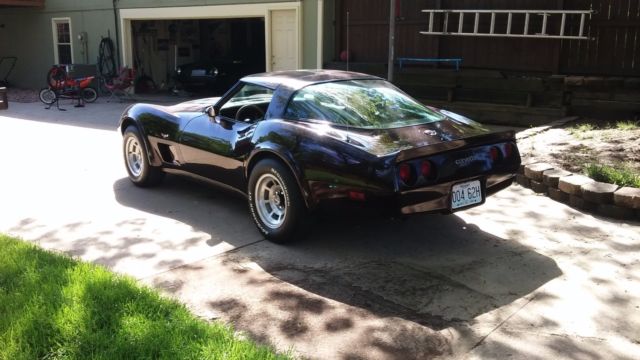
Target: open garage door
point(188, 45)
point(197, 55)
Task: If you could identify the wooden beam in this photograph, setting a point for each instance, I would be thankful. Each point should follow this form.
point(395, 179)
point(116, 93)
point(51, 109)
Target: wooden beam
point(557, 46)
point(31, 3)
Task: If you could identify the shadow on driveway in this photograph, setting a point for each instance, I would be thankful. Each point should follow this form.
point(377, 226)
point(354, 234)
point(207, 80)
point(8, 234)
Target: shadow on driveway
point(431, 270)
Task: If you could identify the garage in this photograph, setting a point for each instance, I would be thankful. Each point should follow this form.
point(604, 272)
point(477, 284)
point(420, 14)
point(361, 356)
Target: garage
point(207, 48)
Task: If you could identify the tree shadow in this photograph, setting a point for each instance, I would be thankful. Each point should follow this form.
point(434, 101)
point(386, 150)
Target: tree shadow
point(423, 275)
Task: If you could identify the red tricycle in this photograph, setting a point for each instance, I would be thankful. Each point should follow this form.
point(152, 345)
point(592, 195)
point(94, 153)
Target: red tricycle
point(62, 86)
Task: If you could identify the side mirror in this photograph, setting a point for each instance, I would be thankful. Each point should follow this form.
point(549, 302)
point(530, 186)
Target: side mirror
point(211, 111)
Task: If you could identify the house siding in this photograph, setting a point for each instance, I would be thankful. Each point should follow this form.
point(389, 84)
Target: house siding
point(27, 33)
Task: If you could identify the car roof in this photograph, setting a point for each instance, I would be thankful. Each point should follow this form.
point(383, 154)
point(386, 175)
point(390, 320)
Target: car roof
point(297, 79)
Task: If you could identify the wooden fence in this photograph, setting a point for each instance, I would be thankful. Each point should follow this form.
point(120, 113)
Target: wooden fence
point(614, 50)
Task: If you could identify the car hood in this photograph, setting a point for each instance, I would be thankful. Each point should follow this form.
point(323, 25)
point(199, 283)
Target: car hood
point(191, 106)
point(414, 140)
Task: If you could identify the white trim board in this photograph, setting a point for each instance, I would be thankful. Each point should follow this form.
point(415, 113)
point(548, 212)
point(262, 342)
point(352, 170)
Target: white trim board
point(320, 38)
point(209, 12)
point(54, 33)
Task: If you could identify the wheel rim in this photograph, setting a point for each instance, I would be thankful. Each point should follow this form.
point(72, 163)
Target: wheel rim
point(271, 202)
point(133, 154)
point(47, 96)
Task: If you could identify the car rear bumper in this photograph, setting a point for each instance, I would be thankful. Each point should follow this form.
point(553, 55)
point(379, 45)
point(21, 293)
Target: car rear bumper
point(437, 198)
point(431, 199)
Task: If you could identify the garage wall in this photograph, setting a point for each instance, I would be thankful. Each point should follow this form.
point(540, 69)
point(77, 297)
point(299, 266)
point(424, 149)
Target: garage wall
point(27, 33)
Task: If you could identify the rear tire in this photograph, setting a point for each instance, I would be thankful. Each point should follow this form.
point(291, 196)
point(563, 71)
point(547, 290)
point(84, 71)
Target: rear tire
point(275, 202)
point(136, 160)
point(89, 94)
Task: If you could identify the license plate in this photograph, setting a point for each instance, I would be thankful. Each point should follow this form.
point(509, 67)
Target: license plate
point(198, 72)
point(465, 194)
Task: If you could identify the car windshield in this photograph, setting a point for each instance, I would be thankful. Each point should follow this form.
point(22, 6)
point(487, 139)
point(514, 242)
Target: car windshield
point(369, 104)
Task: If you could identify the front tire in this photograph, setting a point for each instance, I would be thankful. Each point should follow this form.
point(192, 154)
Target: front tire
point(47, 96)
point(275, 201)
point(136, 160)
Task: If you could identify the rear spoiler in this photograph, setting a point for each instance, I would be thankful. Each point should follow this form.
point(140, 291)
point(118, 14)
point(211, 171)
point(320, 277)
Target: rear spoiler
point(479, 140)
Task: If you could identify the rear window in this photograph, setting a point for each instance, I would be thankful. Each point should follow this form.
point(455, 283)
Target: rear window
point(369, 104)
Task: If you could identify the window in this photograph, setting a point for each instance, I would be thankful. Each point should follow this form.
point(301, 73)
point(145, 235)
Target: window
point(248, 104)
point(369, 104)
point(62, 46)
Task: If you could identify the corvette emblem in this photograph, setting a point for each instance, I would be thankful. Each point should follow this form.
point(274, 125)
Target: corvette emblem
point(430, 132)
point(468, 160)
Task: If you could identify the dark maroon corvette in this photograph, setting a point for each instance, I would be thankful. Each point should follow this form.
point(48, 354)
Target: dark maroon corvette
point(291, 141)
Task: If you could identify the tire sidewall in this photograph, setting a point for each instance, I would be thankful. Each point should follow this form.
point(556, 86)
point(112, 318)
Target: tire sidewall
point(132, 131)
point(44, 91)
point(89, 98)
point(293, 201)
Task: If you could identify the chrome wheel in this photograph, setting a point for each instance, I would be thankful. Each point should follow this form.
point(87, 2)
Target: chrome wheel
point(134, 156)
point(270, 201)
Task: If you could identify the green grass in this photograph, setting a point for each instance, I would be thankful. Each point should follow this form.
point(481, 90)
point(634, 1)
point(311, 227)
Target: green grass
point(619, 175)
point(627, 125)
point(54, 307)
point(582, 130)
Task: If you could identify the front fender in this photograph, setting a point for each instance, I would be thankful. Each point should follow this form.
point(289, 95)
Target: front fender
point(151, 121)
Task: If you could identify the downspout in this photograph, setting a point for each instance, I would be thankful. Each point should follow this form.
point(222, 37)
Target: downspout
point(115, 19)
point(392, 39)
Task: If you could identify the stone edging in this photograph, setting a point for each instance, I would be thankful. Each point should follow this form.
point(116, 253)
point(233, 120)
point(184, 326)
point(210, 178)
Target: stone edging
point(581, 192)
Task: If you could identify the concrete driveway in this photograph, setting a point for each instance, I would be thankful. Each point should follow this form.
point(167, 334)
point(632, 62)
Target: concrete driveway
point(520, 277)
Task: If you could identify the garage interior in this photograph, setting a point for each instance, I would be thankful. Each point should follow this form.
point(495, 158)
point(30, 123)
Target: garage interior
point(235, 46)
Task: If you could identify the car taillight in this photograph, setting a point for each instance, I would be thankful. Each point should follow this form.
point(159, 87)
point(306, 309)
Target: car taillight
point(426, 169)
point(406, 174)
point(494, 152)
point(508, 150)
point(357, 196)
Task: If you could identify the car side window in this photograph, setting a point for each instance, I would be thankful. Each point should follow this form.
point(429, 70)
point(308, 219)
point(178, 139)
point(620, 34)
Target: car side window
point(307, 105)
point(303, 106)
point(248, 104)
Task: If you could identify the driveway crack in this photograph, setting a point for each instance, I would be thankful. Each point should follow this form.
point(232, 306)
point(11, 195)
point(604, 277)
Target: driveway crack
point(202, 259)
point(500, 324)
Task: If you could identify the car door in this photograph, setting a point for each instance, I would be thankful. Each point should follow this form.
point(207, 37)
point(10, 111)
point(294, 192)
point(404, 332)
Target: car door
point(215, 147)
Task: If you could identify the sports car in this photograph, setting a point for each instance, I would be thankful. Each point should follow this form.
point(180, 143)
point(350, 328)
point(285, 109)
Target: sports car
point(293, 141)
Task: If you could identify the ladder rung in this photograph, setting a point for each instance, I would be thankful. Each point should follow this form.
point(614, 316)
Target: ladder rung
point(493, 23)
point(477, 23)
point(431, 16)
point(544, 23)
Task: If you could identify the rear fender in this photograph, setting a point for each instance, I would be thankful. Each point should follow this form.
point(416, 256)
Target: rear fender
point(275, 151)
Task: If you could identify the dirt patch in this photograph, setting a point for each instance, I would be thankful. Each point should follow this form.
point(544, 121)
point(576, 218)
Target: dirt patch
point(22, 95)
point(583, 142)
